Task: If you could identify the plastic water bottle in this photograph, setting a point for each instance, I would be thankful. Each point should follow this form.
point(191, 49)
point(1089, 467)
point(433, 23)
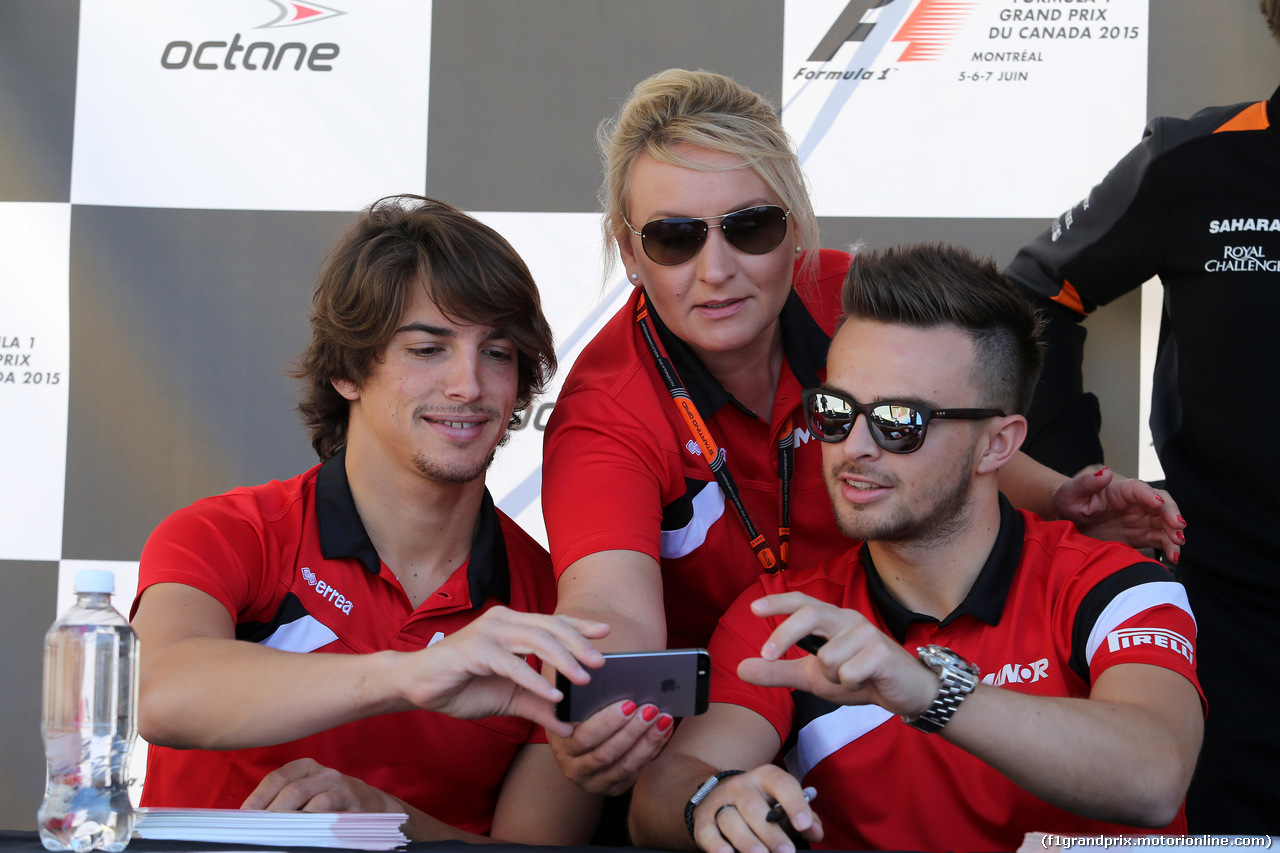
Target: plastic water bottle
point(90, 721)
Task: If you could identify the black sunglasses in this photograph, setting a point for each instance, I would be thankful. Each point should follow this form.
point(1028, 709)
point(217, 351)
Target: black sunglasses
point(896, 427)
point(754, 230)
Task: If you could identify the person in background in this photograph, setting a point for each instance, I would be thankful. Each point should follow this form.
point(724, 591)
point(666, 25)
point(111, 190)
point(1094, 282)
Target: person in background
point(974, 673)
point(676, 463)
point(1196, 203)
point(359, 637)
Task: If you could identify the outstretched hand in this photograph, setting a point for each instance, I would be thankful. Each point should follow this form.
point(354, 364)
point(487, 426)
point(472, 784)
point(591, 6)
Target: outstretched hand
point(858, 665)
point(482, 670)
point(1105, 505)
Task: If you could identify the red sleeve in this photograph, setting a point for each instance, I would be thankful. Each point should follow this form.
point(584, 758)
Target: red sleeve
point(209, 547)
point(1150, 623)
point(739, 636)
point(603, 479)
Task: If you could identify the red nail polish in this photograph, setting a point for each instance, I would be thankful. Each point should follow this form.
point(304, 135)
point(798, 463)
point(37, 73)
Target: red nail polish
point(665, 722)
point(1160, 499)
point(1181, 520)
point(648, 713)
point(628, 708)
point(1176, 556)
point(1098, 473)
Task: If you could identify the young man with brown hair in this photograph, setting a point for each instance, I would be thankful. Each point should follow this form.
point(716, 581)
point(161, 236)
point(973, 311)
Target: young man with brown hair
point(359, 637)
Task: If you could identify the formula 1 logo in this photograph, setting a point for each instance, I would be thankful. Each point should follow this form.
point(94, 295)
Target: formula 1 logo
point(928, 31)
point(293, 14)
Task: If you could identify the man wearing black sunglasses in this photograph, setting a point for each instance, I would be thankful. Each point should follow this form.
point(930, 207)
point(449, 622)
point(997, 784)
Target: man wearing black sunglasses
point(970, 672)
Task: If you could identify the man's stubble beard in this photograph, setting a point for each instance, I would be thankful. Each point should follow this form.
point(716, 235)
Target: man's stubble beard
point(945, 519)
point(458, 473)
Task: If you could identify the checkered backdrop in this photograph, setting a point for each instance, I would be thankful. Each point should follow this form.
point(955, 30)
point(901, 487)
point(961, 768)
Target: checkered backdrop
point(171, 172)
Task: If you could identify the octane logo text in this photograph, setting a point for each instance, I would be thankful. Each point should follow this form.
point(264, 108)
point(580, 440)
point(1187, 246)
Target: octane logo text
point(258, 55)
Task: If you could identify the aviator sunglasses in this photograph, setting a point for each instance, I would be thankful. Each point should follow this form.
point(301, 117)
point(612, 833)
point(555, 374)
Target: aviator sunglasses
point(896, 427)
point(754, 230)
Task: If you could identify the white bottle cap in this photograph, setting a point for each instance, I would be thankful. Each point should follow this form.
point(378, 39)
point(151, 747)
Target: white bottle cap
point(95, 580)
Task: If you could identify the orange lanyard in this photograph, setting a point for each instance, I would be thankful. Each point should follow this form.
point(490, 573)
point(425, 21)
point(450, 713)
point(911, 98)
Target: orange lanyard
point(715, 457)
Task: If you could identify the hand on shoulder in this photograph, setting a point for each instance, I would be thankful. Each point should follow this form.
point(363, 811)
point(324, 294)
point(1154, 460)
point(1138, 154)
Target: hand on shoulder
point(1105, 505)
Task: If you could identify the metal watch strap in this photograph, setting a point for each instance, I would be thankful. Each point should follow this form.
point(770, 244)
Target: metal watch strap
point(954, 684)
point(701, 794)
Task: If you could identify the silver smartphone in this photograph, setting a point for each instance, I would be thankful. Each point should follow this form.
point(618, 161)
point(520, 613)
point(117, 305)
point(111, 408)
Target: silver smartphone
point(678, 681)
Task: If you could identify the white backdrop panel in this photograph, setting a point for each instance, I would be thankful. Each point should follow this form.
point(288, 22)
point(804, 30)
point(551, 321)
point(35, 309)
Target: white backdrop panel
point(564, 253)
point(202, 104)
point(957, 108)
point(34, 360)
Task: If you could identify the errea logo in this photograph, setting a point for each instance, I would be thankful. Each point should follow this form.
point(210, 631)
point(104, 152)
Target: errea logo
point(327, 592)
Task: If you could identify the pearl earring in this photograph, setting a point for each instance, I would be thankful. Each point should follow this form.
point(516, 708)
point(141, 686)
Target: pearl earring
point(635, 276)
point(799, 249)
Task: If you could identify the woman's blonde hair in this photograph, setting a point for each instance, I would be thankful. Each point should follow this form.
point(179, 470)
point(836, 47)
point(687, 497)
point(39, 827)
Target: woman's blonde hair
point(711, 111)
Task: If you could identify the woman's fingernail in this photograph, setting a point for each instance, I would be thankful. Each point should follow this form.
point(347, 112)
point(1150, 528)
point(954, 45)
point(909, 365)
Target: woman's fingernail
point(664, 722)
point(1181, 520)
point(648, 713)
point(1160, 499)
point(628, 708)
point(1098, 473)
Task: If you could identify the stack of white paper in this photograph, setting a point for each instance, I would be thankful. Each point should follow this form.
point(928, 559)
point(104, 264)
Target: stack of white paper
point(355, 830)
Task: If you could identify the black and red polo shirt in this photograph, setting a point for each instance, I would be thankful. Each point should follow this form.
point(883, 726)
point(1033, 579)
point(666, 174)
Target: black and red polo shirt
point(295, 568)
point(621, 470)
point(1049, 612)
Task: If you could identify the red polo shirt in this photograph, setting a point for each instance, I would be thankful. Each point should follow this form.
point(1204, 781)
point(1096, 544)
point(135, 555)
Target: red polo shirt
point(620, 469)
point(1050, 611)
point(295, 568)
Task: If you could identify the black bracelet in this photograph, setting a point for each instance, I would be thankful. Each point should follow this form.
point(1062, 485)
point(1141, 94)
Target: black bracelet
point(699, 795)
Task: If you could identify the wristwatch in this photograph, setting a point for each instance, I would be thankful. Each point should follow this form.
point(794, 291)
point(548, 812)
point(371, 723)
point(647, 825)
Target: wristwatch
point(701, 794)
point(957, 678)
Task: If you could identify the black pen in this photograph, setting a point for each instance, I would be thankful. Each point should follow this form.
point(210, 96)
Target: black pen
point(778, 813)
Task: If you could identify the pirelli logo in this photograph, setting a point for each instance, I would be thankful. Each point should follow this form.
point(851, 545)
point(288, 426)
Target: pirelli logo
point(1126, 638)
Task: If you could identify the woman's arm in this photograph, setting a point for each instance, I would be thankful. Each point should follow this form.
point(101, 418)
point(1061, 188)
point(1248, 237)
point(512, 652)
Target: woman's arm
point(606, 753)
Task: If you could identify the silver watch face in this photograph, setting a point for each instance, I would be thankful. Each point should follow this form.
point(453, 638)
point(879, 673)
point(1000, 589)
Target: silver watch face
point(937, 657)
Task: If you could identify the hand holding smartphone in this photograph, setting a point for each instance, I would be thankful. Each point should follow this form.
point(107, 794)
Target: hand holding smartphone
point(677, 681)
